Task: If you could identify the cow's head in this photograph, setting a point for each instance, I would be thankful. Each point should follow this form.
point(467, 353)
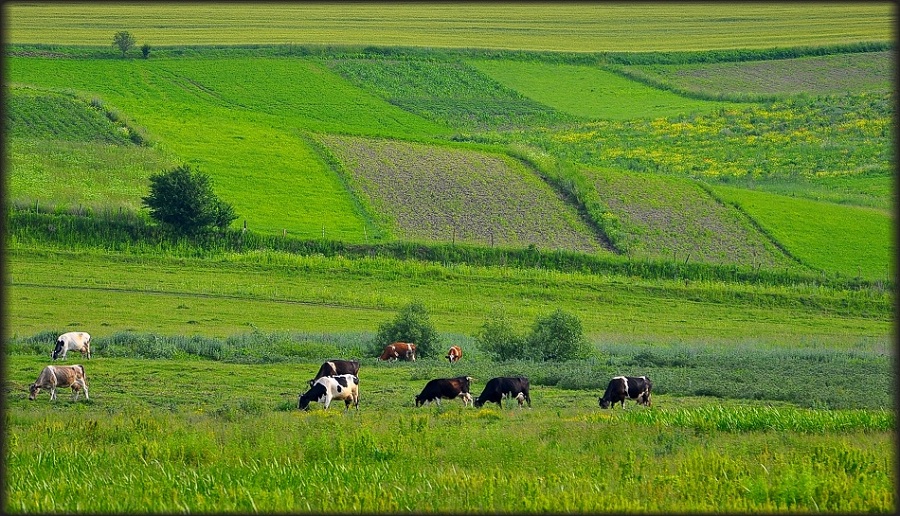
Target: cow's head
point(419, 401)
point(33, 391)
point(605, 403)
point(303, 401)
point(478, 402)
point(57, 350)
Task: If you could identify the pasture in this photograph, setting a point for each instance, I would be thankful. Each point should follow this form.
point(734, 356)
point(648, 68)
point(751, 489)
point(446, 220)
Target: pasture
point(229, 437)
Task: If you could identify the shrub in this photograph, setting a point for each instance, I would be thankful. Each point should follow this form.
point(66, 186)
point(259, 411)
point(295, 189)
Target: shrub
point(183, 201)
point(499, 340)
point(412, 324)
point(557, 337)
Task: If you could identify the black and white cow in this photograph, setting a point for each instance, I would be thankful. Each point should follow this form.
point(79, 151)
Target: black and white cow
point(324, 390)
point(447, 388)
point(336, 367)
point(504, 387)
point(72, 341)
point(621, 388)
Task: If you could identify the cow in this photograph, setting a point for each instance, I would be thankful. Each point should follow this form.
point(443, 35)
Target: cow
point(72, 341)
point(454, 354)
point(341, 387)
point(447, 388)
point(504, 387)
point(336, 367)
point(621, 388)
point(399, 351)
point(54, 377)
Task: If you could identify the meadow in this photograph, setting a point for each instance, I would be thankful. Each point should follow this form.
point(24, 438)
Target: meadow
point(728, 238)
point(228, 437)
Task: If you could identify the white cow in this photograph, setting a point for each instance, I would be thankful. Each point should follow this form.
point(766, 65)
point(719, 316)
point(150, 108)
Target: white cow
point(53, 377)
point(340, 387)
point(72, 341)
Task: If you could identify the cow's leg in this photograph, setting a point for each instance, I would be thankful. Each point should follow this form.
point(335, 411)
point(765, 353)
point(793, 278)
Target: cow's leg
point(52, 392)
point(327, 400)
point(84, 386)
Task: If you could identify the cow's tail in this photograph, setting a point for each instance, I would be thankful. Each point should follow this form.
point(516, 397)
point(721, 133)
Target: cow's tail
point(82, 371)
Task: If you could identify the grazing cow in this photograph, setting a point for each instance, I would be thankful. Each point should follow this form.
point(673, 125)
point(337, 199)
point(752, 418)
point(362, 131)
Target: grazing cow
point(399, 351)
point(454, 354)
point(53, 377)
point(447, 388)
point(504, 387)
point(72, 341)
point(621, 388)
point(336, 367)
point(341, 387)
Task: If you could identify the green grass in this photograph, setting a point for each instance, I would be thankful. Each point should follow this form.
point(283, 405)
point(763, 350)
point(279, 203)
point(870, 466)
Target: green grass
point(823, 235)
point(259, 161)
point(229, 437)
point(230, 293)
point(551, 26)
point(590, 92)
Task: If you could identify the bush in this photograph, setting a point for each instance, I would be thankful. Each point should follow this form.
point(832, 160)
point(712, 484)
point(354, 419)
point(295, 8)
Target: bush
point(412, 324)
point(557, 337)
point(498, 339)
point(183, 201)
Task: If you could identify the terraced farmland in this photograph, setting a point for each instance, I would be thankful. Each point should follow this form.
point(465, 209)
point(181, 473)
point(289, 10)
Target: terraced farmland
point(674, 218)
point(440, 193)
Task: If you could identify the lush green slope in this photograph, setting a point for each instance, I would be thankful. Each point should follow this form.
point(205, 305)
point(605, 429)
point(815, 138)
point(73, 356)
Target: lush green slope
point(823, 235)
point(247, 133)
point(597, 27)
point(590, 92)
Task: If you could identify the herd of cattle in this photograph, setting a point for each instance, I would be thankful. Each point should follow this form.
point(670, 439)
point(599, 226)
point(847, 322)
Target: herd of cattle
point(339, 380)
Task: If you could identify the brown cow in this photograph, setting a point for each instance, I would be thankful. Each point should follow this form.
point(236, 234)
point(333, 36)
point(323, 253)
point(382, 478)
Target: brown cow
point(454, 354)
point(52, 377)
point(399, 351)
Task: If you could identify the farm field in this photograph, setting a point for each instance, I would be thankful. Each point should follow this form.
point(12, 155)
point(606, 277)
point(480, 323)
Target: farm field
point(509, 26)
point(698, 193)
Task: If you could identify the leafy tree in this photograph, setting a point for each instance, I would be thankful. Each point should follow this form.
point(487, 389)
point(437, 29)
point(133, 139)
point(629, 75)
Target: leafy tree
point(145, 50)
point(124, 40)
point(499, 340)
point(183, 200)
point(412, 324)
point(557, 337)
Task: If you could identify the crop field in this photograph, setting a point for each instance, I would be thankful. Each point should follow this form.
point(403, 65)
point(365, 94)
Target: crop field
point(705, 189)
point(529, 26)
point(676, 218)
point(451, 93)
point(869, 72)
point(438, 193)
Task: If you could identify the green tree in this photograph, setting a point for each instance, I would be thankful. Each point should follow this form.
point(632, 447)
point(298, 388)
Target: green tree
point(557, 337)
point(498, 339)
point(412, 324)
point(183, 201)
point(145, 50)
point(124, 40)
